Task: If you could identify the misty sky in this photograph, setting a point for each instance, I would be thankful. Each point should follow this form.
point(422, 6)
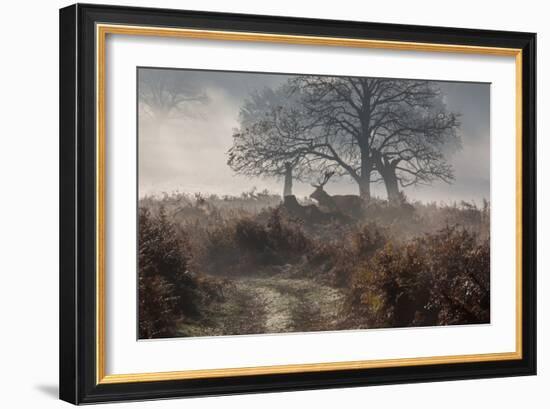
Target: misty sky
point(187, 152)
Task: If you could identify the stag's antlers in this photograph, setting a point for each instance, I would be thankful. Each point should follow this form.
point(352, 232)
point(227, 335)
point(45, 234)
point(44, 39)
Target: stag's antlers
point(323, 181)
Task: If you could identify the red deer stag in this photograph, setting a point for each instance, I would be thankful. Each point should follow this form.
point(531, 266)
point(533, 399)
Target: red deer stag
point(350, 205)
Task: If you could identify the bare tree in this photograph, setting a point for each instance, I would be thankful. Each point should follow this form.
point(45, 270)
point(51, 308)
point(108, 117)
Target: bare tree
point(163, 93)
point(410, 149)
point(273, 138)
point(395, 127)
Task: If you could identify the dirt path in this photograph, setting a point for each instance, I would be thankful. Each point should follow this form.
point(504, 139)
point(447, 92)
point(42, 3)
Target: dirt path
point(272, 305)
point(294, 304)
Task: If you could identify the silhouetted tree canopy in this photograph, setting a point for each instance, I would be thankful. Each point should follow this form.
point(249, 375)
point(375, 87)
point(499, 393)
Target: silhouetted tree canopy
point(396, 129)
point(370, 129)
point(274, 136)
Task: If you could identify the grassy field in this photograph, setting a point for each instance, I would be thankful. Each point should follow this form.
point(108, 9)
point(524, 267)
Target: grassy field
point(248, 264)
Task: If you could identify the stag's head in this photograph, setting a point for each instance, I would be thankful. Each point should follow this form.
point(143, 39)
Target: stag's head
point(319, 193)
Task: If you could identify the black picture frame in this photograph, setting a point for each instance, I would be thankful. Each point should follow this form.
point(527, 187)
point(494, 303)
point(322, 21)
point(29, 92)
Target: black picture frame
point(78, 297)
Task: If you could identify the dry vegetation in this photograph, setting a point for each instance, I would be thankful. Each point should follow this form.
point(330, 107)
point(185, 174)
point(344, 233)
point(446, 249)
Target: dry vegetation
point(212, 265)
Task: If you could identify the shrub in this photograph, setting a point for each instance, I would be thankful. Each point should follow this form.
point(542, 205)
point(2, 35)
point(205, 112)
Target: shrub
point(220, 249)
point(161, 251)
point(285, 235)
point(336, 260)
point(159, 260)
point(157, 306)
point(168, 292)
point(437, 279)
point(237, 246)
point(461, 269)
point(251, 236)
point(368, 239)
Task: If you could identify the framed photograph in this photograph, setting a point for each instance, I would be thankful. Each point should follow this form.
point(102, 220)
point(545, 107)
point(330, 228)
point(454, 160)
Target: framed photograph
point(257, 203)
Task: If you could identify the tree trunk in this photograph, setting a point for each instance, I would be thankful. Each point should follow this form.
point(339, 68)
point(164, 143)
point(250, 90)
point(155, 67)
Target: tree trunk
point(392, 187)
point(364, 178)
point(387, 171)
point(288, 180)
point(364, 188)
